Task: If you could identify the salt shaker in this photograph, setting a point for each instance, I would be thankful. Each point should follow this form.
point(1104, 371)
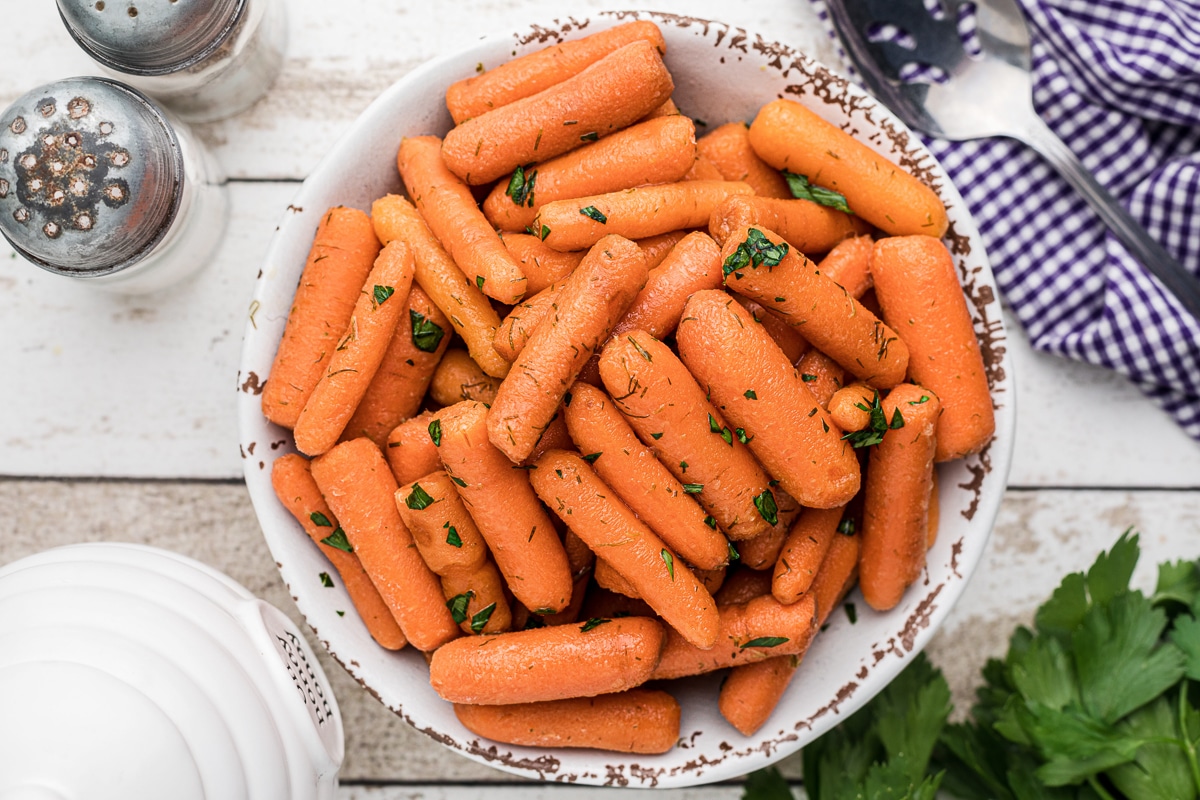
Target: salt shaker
point(99, 184)
point(203, 59)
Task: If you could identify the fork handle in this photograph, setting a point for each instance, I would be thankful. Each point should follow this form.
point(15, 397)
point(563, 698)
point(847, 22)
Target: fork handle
point(1177, 280)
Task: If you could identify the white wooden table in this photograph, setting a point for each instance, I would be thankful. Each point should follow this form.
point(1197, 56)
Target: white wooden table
point(117, 414)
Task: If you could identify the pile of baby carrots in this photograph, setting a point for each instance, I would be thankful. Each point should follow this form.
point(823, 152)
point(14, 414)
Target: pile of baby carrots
point(700, 392)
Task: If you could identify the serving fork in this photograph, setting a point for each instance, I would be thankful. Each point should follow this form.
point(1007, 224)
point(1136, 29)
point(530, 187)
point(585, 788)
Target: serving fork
point(984, 94)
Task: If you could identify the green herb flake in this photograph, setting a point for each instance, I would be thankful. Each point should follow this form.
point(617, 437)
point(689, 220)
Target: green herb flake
point(435, 432)
point(338, 540)
point(459, 481)
point(594, 213)
point(750, 394)
point(765, 503)
point(479, 282)
point(734, 555)
point(801, 189)
point(320, 520)
point(589, 137)
point(643, 352)
point(846, 527)
point(326, 581)
point(742, 437)
point(877, 425)
point(754, 252)
point(591, 458)
point(426, 334)
point(683, 465)
point(533, 621)
point(897, 420)
point(924, 399)
point(669, 560)
point(382, 293)
point(656, 436)
point(851, 612)
point(481, 617)
point(341, 613)
point(693, 488)
point(711, 521)
point(545, 232)
point(765, 641)
point(592, 624)
point(520, 186)
point(458, 606)
point(418, 499)
point(452, 537)
point(808, 377)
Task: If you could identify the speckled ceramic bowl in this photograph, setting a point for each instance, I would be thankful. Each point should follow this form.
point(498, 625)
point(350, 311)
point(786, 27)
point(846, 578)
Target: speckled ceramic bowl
point(722, 73)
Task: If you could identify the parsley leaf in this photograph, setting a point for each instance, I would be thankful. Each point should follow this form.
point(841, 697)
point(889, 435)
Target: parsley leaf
point(669, 561)
point(594, 213)
point(693, 488)
point(458, 606)
point(338, 540)
point(418, 499)
point(801, 189)
point(765, 641)
point(459, 481)
point(426, 334)
point(750, 394)
point(326, 581)
point(382, 293)
point(734, 555)
point(765, 503)
point(435, 432)
point(589, 137)
point(877, 425)
point(846, 526)
point(480, 620)
point(520, 186)
point(452, 537)
point(320, 520)
point(592, 624)
point(591, 458)
point(755, 251)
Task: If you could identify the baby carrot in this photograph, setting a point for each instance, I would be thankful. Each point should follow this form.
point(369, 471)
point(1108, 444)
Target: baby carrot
point(837, 574)
point(542, 265)
point(754, 631)
point(468, 310)
point(342, 253)
point(555, 437)
point(607, 577)
point(410, 452)
point(293, 483)
point(763, 550)
point(357, 356)
point(762, 267)
point(633, 721)
point(711, 579)
point(671, 415)
point(743, 585)
point(506, 511)
point(358, 486)
point(728, 149)
point(529, 74)
point(667, 109)
point(478, 598)
point(919, 291)
point(582, 560)
point(895, 528)
point(751, 691)
point(788, 136)
point(545, 663)
point(785, 336)
point(449, 209)
point(703, 170)
point(395, 393)
point(570, 487)
point(647, 487)
point(458, 378)
point(693, 264)
point(657, 248)
point(607, 96)
point(850, 406)
point(803, 552)
point(806, 226)
point(593, 299)
point(849, 265)
point(761, 394)
point(658, 151)
point(516, 329)
point(821, 374)
point(633, 213)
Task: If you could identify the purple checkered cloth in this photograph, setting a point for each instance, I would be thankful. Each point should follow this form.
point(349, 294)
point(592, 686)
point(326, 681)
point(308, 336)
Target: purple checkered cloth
point(1119, 82)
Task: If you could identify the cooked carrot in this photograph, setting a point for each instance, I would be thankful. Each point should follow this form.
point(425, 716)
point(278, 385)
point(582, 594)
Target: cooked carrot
point(667, 109)
point(448, 208)
point(633, 213)
point(760, 629)
point(919, 291)
point(293, 483)
point(743, 585)
point(605, 438)
point(805, 549)
point(634, 721)
point(703, 170)
point(711, 579)
point(547, 663)
point(895, 528)
point(728, 149)
point(821, 374)
point(934, 512)
point(484, 594)
point(516, 329)
point(468, 310)
point(658, 151)
point(542, 265)
point(785, 336)
point(693, 264)
point(657, 248)
point(555, 437)
point(359, 488)
point(671, 415)
point(572, 490)
point(506, 511)
point(849, 265)
point(756, 388)
point(850, 406)
point(359, 353)
point(417, 345)
point(788, 136)
point(529, 74)
point(806, 226)
point(607, 577)
point(751, 691)
point(611, 94)
point(593, 299)
point(459, 378)
point(581, 560)
point(763, 550)
point(410, 452)
point(837, 574)
point(759, 265)
point(342, 253)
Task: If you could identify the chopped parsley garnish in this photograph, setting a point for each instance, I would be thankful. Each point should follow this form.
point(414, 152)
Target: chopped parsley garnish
point(479, 282)
point(591, 458)
point(481, 617)
point(877, 425)
point(435, 432)
point(683, 465)
point(338, 540)
point(589, 137)
point(808, 377)
point(749, 394)
point(669, 561)
point(711, 521)
point(418, 498)
point(741, 435)
point(594, 213)
point(426, 334)
point(341, 613)
point(643, 352)
point(320, 520)
point(545, 232)
point(765, 503)
point(693, 488)
point(851, 612)
point(458, 606)
point(592, 624)
point(533, 621)
point(459, 481)
point(382, 293)
point(755, 251)
point(734, 555)
point(520, 186)
point(924, 399)
point(765, 641)
point(656, 436)
point(846, 526)
point(801, 189)
point(326, 581)
point(716, 428)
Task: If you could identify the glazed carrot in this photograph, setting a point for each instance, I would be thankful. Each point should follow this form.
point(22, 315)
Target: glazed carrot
point(743, 585)
point(634, 721)
point(805, 549)
point(763, 550)
point(607, 577)
point(516, 329)
point(759, 265)
point(572, 490)
point(667, 109)
point(342, 253)
point(788, 136)
point(850, 406)
point(711, 579)
point(785, 336)
point(555, 437)
point(359, 488)
point(293, 483)
point(754, 631)
point(837, 574)
point(395, 393)
point(658, 151)
point(671, 415)
point(693, 264)
point(895, 528)
point(633, 213)
point(609, 95)
point(529, 74)
point(849, 265)
point(806, 226)
point(359, 353)
point(657, 248)
point(458, 378)
point(593, 299)
point(468, 310)
point(645, 485)
point(821, 374)
point(410, 452)
point(581, 560)
point(728, 149)
point(751, 691)
point(448, 208)
point(918, 289)
point(545, 663)
point(542, 265)
point(752, 382)
point(703, 170)
point(485, 596)
point(506, 511)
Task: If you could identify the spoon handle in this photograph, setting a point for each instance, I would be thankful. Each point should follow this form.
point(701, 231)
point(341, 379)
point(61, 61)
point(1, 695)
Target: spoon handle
point(1150, 253)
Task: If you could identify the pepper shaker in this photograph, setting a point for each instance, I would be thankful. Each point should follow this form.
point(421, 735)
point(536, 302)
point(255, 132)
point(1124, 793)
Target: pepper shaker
point(97, 183)
point(203, 59)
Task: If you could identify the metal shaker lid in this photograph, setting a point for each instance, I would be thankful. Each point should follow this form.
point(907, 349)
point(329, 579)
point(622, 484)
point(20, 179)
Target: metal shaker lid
point(91, 176)
point(151, 37)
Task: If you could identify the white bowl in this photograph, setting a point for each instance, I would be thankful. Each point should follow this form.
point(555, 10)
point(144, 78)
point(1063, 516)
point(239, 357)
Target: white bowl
point(721, 74)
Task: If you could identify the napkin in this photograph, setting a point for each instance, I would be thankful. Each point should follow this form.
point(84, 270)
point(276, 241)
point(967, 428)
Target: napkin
point(1119, 82)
